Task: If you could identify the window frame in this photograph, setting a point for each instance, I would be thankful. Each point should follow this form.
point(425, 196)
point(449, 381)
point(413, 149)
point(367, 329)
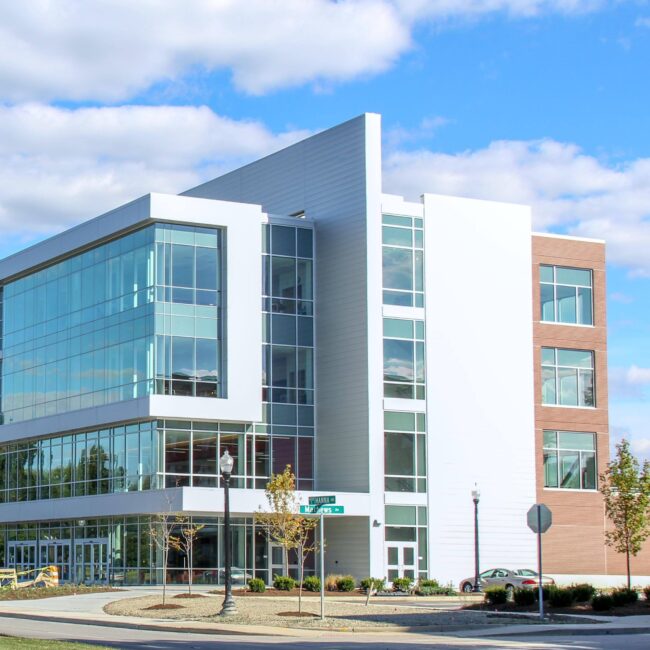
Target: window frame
point(583, 454)
point(556, 307)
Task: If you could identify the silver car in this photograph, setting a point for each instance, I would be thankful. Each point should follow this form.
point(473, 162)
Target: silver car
point(508, 578)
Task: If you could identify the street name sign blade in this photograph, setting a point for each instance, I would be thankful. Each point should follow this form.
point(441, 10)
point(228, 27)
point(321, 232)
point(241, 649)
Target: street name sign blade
point(539, 518)
point(322, 510)
point(317, 501)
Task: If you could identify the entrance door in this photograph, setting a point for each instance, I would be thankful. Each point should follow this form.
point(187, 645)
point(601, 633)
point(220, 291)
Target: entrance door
point(401, 560)
point(22, 556)
point(277, 563)
point(91, 561)
point(56, 554)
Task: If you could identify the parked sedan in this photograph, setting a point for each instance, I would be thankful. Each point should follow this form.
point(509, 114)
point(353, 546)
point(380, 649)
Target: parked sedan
point(508, 578)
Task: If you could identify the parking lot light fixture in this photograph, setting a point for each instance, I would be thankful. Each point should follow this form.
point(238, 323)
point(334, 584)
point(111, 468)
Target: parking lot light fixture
point(477, 578)
point(226, 463)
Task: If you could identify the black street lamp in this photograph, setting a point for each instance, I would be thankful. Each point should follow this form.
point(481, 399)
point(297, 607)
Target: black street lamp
point(226, 463)
point(477, 578)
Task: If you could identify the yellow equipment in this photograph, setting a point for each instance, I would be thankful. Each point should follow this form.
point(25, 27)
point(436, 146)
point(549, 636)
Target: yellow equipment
point(44, 577)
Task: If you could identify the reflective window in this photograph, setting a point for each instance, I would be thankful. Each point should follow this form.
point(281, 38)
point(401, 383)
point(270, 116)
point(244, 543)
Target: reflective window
point(403, 260)
point(288, 351)
point(404, 364)
point(566, 295)
point(568, 377)
point(404, 452)
point(570, 460)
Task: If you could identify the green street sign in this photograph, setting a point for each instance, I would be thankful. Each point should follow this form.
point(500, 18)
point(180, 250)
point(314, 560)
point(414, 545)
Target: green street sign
point(318, 501)
point(322, 510)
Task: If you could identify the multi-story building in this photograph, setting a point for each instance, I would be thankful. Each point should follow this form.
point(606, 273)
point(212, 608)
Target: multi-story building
point(393, 353)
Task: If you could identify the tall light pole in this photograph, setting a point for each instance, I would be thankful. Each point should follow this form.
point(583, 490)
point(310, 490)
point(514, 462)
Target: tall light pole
point(477, 578)
point(226, 463)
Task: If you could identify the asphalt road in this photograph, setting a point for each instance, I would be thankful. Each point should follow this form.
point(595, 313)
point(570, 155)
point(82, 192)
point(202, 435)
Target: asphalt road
point(156, 640)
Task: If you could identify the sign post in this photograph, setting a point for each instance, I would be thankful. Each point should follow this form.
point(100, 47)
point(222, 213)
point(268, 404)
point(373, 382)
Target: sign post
point(322, 505)
point(539, 519)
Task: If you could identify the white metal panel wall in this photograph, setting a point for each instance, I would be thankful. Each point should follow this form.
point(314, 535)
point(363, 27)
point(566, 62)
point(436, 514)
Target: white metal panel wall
point(326, 176)
point(479, 383)
point(346, 546)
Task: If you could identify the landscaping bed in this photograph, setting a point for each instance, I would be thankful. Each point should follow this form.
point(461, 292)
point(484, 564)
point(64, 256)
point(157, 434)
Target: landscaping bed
point(34, 593)
point(282, 612)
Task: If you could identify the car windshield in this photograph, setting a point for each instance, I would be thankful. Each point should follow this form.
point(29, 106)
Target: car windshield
point(525, 572)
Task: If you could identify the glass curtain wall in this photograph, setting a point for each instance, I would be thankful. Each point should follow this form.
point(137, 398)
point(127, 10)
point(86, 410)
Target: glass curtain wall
point(288, 349)
point(80, 333)
point(116, 459)
point(120, 550)
point(404, 361)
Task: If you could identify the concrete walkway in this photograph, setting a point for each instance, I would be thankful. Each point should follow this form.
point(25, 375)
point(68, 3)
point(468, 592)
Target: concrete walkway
point(87, 609)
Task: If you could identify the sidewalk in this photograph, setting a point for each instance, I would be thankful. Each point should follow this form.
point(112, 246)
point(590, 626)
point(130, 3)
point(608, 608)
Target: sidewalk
point(88, 610)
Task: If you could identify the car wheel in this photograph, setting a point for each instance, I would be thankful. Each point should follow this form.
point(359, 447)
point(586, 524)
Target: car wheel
point(467, 587)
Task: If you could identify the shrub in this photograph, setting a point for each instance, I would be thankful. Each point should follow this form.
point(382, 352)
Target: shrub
point(257, 585)
point(402, 584)
point(583, 593)
point(624, 596)
point(373, 583)
point(331, 580)
point(284, 583)
point(602, 603)
point(428, 583)
point(646, 592)
point(524, 597)
point(311, 583)
point(346, 583)
point(496, 595)
point(561, 597)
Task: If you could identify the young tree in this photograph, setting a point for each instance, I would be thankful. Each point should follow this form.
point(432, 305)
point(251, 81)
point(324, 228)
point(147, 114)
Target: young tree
point(626, 491)
point(283, 523)
point(161, 531)
point(185, 543)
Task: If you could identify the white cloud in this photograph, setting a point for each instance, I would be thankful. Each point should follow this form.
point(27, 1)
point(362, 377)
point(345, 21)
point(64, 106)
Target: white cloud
point(628, 383)
point(620, 297)
point(568, 190)
point(109, 50)
point(642, 22)
point(59, 166)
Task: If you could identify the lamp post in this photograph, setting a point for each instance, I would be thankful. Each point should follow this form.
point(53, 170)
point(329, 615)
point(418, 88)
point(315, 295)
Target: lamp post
point(226, 463)
point(477, 578)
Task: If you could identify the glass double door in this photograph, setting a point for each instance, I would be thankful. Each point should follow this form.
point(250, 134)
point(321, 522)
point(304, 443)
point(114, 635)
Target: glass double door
point(56, 554)
point(22, 557)
point(401, 560)
point(91, 561)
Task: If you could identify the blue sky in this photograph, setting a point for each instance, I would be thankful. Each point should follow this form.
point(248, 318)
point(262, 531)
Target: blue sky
point(542, 102)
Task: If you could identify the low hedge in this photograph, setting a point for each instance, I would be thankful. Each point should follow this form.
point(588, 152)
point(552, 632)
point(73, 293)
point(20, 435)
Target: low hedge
point(284, 583)
point(257, 585)
point(496, 595)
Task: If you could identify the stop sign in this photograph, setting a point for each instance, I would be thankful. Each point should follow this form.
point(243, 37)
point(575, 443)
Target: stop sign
point(539, 518)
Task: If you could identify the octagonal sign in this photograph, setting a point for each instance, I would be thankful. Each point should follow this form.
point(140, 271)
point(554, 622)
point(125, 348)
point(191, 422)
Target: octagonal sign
point(539, 518)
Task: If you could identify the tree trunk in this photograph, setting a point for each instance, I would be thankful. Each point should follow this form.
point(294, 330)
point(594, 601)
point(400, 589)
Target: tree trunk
point(165, 553)
point(627, 559)
point(190, 562)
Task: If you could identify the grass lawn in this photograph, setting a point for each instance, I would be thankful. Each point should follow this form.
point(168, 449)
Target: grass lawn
point(11, 643)
point(31, 593)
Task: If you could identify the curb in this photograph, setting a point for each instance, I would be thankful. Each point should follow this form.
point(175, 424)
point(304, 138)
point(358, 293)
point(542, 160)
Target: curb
point(574, 631)
point(133, 626)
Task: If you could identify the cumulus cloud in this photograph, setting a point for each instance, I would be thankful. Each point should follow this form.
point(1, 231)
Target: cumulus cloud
point(109, 50)
point(569, 191)
point(58, 166)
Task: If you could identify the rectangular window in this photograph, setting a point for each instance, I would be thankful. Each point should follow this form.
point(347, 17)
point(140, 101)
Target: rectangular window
point(405, 467)
point(568, 377)
point(570, 460)
point(404, 370)
point(566, 295)
point(403, 260)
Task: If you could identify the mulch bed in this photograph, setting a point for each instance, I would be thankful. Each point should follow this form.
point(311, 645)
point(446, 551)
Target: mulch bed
point(298, 614)
point(165, 606)
point(190, 596)
point(640, 608)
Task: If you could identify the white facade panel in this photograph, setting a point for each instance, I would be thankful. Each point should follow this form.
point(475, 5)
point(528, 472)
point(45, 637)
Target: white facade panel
point(327, 177)
point(480, 393)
